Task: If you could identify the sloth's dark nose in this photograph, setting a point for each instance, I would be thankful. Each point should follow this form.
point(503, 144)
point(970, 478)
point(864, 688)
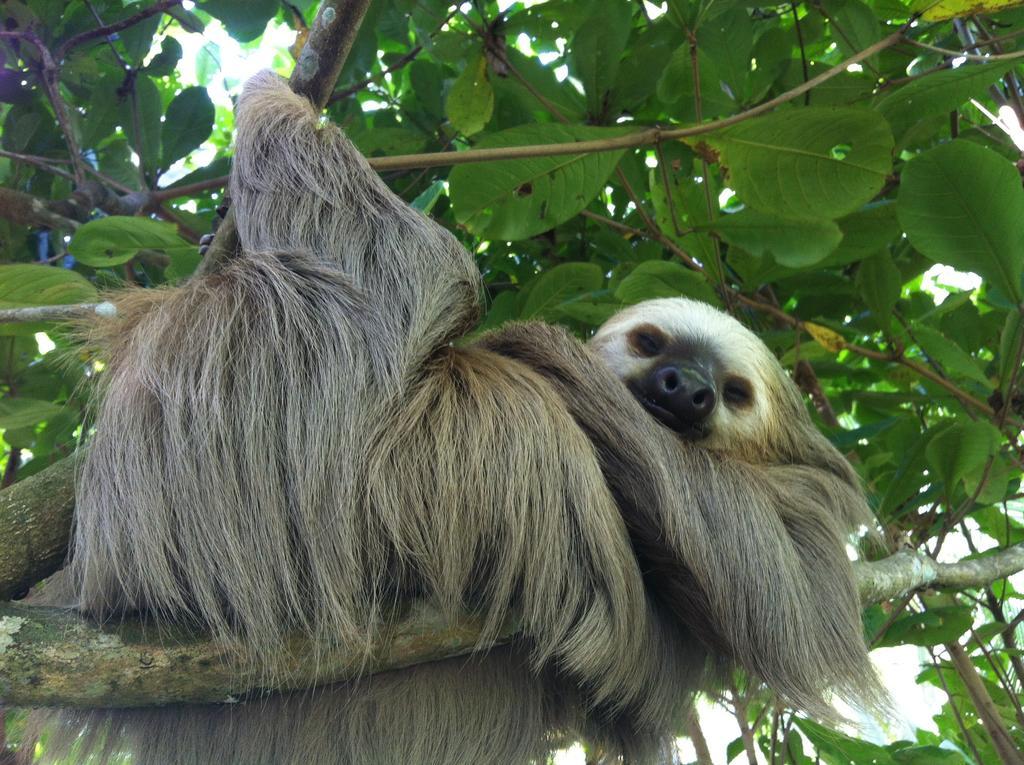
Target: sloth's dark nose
point(686, 391)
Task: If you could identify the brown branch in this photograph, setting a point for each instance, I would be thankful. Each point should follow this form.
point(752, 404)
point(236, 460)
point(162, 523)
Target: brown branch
point(632, 140)
point(27, 210)
point(105, 31)
point(43, 163)
point(1002, 741)
point(405, 60)
point(49, 76)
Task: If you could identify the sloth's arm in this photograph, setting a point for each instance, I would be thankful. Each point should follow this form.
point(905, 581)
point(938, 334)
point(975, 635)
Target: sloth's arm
point(299, 186)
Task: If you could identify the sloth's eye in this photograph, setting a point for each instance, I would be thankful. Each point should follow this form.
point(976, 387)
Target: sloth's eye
point(738, 392)
point(648, 344)
point(646, 340)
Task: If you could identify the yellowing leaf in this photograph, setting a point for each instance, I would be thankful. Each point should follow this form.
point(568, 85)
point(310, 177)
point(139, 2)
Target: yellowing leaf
point(825, 337)
point(940, 10)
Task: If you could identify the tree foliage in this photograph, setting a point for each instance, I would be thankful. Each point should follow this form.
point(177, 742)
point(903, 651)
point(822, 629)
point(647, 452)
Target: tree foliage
point(866, 218)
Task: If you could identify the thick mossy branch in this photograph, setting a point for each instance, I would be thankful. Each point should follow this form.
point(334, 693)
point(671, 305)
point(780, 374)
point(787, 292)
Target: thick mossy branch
point(54, 657)
point(35, 524)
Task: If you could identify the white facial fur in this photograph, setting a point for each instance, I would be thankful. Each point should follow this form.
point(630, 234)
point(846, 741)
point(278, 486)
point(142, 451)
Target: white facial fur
point(744, 430)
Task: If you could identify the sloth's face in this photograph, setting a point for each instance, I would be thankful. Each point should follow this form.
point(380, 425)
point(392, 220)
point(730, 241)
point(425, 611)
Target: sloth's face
point(697, 370)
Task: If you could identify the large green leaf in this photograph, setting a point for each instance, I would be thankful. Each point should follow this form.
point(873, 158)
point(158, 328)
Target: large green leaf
point(597, 50)
point(23, 285)
point(662, 279)
point(518, 198)
point(879, 283)
point(961, 451)
point(244, 21)
point(817, 162)
point(471, 100)
point(558, 285)
point(937, 94)
point(139, 114)
point(954, 359)
point(117, 239)
point(793, 242)
point(25, 412)
point(189, 122)
point(962, 205)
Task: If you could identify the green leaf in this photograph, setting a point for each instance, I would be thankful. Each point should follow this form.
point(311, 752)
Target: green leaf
point(141, 121)
point(859, 25)
point(664, 278)
point(189, 122)
point(960, 451)
point(676, 89)
point(166, 60)
point(937, 94)
point(962, 205)
point(935, 626)
point(117, 239)
point(865, 233)
point(928, 755)
point(817, 162)
point(728, 40)
point(518, 198)
point(954, 359)
point(428, 197)
point(597, 50)
point(793, 242)
point(25, 412)
point(471, 99)
point(23, 285)
point(837, 748)
point(1010, 340)
point(879, 282)
point(244, 21)
point(559, 285)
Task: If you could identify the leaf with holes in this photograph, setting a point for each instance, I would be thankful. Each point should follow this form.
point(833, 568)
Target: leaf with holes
point(518, 198)
point(962, 205)
point(816, 162)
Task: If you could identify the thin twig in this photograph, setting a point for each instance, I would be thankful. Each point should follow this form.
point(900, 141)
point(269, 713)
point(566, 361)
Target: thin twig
point(105, 31)
point(964, 54)
point(632, 140)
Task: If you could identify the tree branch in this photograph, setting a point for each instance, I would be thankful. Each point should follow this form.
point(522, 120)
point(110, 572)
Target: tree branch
point(55, 312)
point(35, 523)
point(105, 31)
point(50, 656)
point(907, 570)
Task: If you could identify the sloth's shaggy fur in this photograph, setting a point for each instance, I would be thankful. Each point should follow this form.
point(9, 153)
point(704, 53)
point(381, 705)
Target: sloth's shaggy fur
point(294, 444)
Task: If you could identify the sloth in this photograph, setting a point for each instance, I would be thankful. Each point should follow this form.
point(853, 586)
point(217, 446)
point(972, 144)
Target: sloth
point(301, 440)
